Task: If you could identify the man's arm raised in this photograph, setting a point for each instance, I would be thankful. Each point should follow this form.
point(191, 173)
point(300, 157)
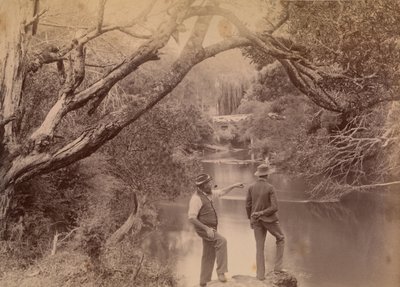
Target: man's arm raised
point(226, 190)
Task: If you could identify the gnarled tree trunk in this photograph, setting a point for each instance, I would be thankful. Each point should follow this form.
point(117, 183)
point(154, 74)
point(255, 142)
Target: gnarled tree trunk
point(12, 74)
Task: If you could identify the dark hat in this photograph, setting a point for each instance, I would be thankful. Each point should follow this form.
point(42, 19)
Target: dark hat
point(263, 169)
point(202, 178)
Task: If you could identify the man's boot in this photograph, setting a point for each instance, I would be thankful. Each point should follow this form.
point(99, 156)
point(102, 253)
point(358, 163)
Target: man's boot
point(221, 277)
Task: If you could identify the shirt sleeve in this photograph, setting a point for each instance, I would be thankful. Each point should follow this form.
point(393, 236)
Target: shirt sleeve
point(194, 206)
point(216, 193)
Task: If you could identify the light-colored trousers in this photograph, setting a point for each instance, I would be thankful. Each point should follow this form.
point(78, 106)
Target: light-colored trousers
point(213, 249)
point(260, 233)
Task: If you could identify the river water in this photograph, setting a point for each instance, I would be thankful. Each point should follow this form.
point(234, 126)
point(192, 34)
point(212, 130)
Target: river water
point(355, 242)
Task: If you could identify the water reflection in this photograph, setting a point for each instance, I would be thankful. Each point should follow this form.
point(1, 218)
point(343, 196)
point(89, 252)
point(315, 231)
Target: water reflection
point(348, 244)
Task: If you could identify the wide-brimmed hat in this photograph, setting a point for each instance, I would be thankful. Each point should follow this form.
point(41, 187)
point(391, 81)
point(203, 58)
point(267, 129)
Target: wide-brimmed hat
point(202, 178)
point(263, 169)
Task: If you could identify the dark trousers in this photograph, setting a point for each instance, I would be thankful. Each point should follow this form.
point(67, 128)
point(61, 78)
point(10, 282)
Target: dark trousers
point(213, 249)
point(260, 233)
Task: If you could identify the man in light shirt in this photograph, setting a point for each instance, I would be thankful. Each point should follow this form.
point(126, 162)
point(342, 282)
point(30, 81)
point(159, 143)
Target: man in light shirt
point(204, 218)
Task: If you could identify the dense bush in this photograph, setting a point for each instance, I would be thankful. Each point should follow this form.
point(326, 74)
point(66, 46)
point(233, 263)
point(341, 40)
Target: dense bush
point(43, 207)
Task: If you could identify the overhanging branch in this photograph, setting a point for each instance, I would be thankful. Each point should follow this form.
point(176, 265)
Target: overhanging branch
point(93, 138)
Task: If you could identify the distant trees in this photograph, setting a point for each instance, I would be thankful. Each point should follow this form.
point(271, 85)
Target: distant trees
point(230, 97)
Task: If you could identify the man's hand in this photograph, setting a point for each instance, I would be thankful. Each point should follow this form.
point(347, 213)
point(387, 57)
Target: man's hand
point(228, 189)
point(210, 233)
point(239, 185)
point(256, 214)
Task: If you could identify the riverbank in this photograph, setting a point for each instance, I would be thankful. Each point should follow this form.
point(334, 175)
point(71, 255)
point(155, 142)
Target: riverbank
point(272, 279)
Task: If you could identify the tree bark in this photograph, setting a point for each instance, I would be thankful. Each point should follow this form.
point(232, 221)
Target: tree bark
point(12, 53)
point(5, 200)
point(12, 74)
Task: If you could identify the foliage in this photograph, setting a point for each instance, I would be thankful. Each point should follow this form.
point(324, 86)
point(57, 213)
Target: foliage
point(122, 267)
point(204, 86)
point(92, 242)
point(356, 35)
point(345, 144)
point(37, 93)
point(226, 135)
point(91, 198)
point(307, 142)
point(270, 83)
point(279, 105)
point(42, 207)
point(156, 161)
point(337, 160)
point(155, 156)
point(390, 158)
point(353, 54)
point(253, 106)
point(229, 98)
point(276, 138)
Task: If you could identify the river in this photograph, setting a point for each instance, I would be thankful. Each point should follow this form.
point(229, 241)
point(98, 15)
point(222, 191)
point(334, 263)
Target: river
point(355, 242)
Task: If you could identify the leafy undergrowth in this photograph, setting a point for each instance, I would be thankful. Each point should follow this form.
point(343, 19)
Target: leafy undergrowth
point(83, 259)
point(75, 269)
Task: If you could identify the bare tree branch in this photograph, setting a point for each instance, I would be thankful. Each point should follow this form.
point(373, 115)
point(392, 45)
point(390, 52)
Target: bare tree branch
point(38, 61)
point(134, 35)
point(100, 65)
point(138, 268)
point(76, 71)
point(100, 16)
point(62, 26)
point(383, 184)
point(35, 18)
point(7, 120)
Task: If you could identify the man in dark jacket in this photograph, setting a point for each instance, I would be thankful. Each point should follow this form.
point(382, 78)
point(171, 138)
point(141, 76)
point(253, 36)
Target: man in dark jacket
point(204, 218)
point(261, 208)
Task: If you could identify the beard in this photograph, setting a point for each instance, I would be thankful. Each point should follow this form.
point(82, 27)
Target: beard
point(207, 190)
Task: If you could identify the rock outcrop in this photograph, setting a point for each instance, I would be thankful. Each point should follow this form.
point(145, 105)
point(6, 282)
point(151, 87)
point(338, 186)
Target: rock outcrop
point(281, 279)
